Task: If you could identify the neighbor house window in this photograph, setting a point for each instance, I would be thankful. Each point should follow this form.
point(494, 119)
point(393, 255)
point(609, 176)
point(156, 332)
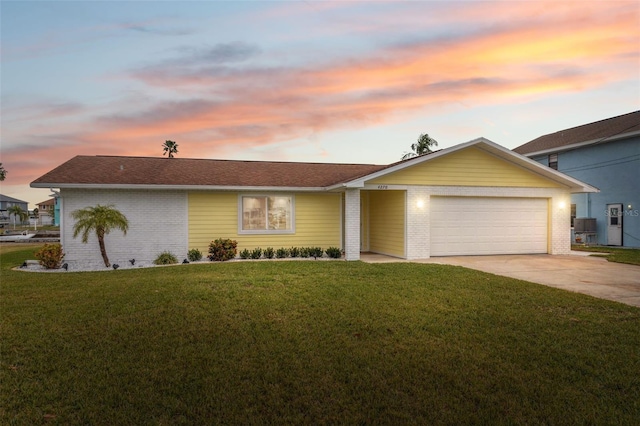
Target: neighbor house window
point(553, 161)
point(573, 214)
point(269, 214)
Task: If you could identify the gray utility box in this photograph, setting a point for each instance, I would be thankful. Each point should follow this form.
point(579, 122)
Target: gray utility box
point(584, 225)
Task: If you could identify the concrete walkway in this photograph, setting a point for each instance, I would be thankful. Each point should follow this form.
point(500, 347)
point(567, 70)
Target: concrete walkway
point(590, 275)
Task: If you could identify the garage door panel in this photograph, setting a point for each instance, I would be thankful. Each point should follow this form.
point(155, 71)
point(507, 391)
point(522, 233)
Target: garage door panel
point(479, 225)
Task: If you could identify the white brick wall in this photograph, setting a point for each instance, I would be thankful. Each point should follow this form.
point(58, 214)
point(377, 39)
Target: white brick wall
point(560, 219)
point(157, 222)
point(352, 224)
point(417, 223)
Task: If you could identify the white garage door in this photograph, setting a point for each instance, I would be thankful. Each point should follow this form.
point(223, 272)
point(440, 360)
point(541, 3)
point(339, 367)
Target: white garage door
point(479, 225)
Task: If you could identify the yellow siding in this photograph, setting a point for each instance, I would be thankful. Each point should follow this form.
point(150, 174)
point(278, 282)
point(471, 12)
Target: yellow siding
point(215, 215)
point(469, 167)
point(387, 222)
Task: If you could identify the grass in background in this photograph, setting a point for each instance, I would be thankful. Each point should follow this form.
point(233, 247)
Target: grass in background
point(620, 255)
point(22, 247)
point(310, 342)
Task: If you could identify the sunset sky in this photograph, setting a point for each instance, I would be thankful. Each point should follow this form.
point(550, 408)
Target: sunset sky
point(319, 81)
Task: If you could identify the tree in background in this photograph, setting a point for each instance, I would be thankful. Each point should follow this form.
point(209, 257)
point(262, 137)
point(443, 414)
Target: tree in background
point(3, 172)
point(421, 147)
point(17, 212)
point(170, 147)
point(101, 220)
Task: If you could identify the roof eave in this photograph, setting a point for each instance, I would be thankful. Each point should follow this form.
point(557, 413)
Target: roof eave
point(178, 187)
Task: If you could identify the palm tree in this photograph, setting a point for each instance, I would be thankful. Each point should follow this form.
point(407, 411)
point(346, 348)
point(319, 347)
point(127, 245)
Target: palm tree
point(101, 219)
point(17, 211)
point(170, 147)
point(421, 147)
point(3, 172)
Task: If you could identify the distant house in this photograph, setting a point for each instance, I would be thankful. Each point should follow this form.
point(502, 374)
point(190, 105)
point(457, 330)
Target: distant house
point(48, 212)
point(605, 154)
point(470, 199)
point(7, 202)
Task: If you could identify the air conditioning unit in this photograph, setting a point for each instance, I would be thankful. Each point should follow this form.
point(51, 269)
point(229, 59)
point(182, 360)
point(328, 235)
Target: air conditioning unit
point(584, 224)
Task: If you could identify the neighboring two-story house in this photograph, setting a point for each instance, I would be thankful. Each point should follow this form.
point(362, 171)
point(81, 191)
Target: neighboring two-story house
point(47, 212)
point(7, 202)
point(606, 155)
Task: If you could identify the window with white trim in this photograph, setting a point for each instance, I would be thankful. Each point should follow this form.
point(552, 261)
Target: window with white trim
point(553, 161)
point(266, 214)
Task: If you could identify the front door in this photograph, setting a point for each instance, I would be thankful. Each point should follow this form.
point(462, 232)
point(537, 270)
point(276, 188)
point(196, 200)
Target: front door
point(614, 224)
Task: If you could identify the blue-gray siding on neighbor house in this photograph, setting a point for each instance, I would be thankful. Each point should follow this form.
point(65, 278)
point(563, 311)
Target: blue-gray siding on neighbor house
point(5, 203)
point(614, 168)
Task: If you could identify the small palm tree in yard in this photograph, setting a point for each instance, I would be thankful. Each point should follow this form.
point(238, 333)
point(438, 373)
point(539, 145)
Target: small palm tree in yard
point(17, 212)
point(101, 220)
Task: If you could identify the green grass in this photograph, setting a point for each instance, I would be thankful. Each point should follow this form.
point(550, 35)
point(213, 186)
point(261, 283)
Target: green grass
point(310, 342)
point(620, 255)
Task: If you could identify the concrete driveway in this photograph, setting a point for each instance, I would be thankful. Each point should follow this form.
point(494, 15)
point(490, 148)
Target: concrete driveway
point(590, 275)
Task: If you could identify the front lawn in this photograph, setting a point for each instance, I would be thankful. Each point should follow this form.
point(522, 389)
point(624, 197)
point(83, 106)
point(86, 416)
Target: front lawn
point(310, 342)
point(620, 255)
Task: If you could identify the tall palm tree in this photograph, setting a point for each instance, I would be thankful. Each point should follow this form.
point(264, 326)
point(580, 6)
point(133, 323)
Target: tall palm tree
point(101, 220)
point(17, 211)
point(170, 147)
point(421, 147)
point(3, 172)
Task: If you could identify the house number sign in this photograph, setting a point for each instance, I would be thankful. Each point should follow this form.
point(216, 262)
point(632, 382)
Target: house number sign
point(383, 186)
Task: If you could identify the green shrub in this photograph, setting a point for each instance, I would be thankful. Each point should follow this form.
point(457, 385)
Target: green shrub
point(50, 256)
point(281, 253)
point(256, 253)
point(269, 253)
point(165, 258)
point(222, 249)
point(315, 252)
point(194, 255)
point(304, 252)
point(294, 252)
point(334, 252)
point(245, 254)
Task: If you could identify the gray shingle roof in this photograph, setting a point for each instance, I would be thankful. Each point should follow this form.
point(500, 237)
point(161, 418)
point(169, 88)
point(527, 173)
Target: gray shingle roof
point(11, 199)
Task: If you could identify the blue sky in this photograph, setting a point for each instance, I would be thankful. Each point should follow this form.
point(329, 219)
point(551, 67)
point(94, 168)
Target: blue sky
point(322, 81)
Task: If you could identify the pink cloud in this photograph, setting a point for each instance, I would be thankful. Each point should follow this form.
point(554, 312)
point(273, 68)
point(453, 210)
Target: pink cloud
point(541, 50)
